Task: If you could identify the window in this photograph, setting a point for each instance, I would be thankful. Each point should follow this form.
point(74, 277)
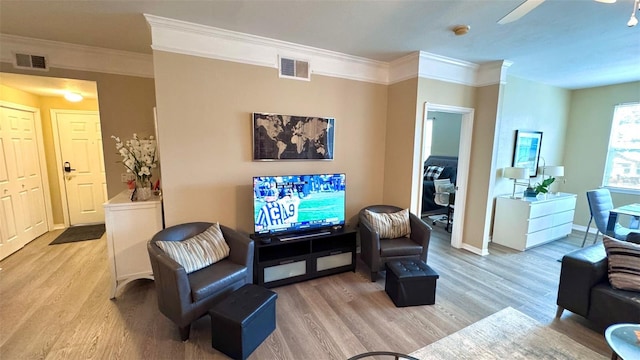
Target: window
point(622, 170)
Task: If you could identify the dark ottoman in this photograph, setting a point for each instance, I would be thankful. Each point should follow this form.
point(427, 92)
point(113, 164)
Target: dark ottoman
point(241, 322)
point(410, 283)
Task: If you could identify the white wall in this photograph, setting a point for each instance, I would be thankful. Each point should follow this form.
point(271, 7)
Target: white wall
point(529, 105)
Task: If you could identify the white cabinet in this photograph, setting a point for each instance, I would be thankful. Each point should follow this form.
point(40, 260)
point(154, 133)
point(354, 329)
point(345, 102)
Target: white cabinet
point(524, 223)
point(129, 225)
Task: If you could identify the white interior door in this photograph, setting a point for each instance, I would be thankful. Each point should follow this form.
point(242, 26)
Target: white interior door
point(80, 141)
point(22, 205)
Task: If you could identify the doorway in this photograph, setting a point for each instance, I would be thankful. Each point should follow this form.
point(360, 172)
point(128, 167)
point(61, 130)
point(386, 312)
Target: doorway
point(47, 94)
point(464, 154)
point(23, 204)
point(83, 183)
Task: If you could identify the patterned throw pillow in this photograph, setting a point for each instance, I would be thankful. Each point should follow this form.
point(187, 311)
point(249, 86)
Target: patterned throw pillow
point(624, 264)
point(199, 251)
point(390, 225)
point(433, 172)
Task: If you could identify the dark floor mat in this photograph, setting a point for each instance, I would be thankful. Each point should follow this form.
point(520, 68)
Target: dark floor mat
point(79, 233)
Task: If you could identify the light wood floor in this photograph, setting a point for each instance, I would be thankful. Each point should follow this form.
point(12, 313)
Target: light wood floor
point(54, 305)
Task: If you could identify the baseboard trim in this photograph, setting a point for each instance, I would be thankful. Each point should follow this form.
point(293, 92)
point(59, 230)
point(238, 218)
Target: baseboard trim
point(581, 228)
point(58, 226)
point(475, 250)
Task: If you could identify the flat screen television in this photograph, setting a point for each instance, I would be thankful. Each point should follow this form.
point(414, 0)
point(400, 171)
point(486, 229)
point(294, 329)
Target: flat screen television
point(298, 203)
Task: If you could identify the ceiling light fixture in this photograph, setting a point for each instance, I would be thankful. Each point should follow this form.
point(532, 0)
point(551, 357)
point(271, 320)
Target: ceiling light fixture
point(73, 96)
point(606, 1)
point(461, 30)
point(633, 20)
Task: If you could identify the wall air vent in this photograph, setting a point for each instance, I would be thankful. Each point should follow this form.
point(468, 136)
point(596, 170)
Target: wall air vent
point(294, 69)
point(34, 62)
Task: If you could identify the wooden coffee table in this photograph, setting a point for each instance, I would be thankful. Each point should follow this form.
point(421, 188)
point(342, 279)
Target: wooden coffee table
point(624, 341)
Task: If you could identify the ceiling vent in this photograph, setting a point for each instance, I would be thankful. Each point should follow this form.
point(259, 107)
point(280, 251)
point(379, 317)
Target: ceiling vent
point(294, 69)
point(34, 62)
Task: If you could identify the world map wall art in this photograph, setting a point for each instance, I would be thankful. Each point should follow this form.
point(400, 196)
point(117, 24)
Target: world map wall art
point(291, 137)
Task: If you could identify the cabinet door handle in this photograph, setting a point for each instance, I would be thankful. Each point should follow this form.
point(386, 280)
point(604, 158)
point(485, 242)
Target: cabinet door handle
point(286, 262)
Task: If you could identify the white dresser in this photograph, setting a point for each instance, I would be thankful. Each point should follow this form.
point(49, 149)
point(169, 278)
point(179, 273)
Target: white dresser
point(129, 225)
point(524, 223)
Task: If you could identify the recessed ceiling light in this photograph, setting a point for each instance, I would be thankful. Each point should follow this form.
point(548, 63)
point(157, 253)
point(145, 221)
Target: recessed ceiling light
point(73, 96)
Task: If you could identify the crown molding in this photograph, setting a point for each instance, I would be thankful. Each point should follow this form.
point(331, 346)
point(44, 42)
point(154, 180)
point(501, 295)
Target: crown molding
point(215, 43)
point(404, 68)
point(492, 73)
point(198, 40)
point(447, 69)
point(205, 41)
point(78, 57)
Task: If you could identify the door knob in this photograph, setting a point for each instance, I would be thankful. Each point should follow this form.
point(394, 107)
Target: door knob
point(67, 167)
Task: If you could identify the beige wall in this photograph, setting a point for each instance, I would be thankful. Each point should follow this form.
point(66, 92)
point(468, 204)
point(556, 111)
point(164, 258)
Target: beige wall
point(587, 141)
point(485, 102)
point(126, 106)
point(16, 96)
point(477, 222)
point(400, 143)
point(204, 125)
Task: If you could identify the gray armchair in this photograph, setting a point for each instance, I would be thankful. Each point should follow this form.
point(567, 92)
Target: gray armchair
point(184, 297)
point(375, 252)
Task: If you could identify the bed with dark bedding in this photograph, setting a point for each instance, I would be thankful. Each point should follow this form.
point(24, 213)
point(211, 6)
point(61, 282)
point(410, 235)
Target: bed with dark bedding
point(436, 167)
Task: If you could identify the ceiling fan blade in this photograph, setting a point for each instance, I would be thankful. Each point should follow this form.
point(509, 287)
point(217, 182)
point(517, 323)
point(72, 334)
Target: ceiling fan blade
point(520, 11)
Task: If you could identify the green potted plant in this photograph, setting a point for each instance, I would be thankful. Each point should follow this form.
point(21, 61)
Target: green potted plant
point(543, 187)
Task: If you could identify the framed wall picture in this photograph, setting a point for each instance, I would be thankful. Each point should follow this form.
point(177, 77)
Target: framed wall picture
point(291, 137)
point(526, 152)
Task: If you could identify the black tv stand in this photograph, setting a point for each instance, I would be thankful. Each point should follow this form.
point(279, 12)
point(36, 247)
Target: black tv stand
point(302, 236)
point(297, 257)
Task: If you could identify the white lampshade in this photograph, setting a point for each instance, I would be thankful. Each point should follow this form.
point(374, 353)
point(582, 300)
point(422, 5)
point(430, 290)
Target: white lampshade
point(515, 173)
point(553, 171)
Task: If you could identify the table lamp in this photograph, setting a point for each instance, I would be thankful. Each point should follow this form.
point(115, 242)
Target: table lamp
point(515, 173)
point(551, 171)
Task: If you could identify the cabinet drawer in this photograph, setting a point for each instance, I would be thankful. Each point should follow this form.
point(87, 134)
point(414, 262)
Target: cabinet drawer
point(334, 261)
point(548, 234)
point(544, 208)
point(551, 220)
point(283, 271)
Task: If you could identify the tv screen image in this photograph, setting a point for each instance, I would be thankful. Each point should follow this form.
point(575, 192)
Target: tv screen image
point(292, 203)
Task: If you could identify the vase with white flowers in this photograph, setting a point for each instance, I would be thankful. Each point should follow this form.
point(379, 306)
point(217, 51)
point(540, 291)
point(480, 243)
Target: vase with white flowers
point(139, 158)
